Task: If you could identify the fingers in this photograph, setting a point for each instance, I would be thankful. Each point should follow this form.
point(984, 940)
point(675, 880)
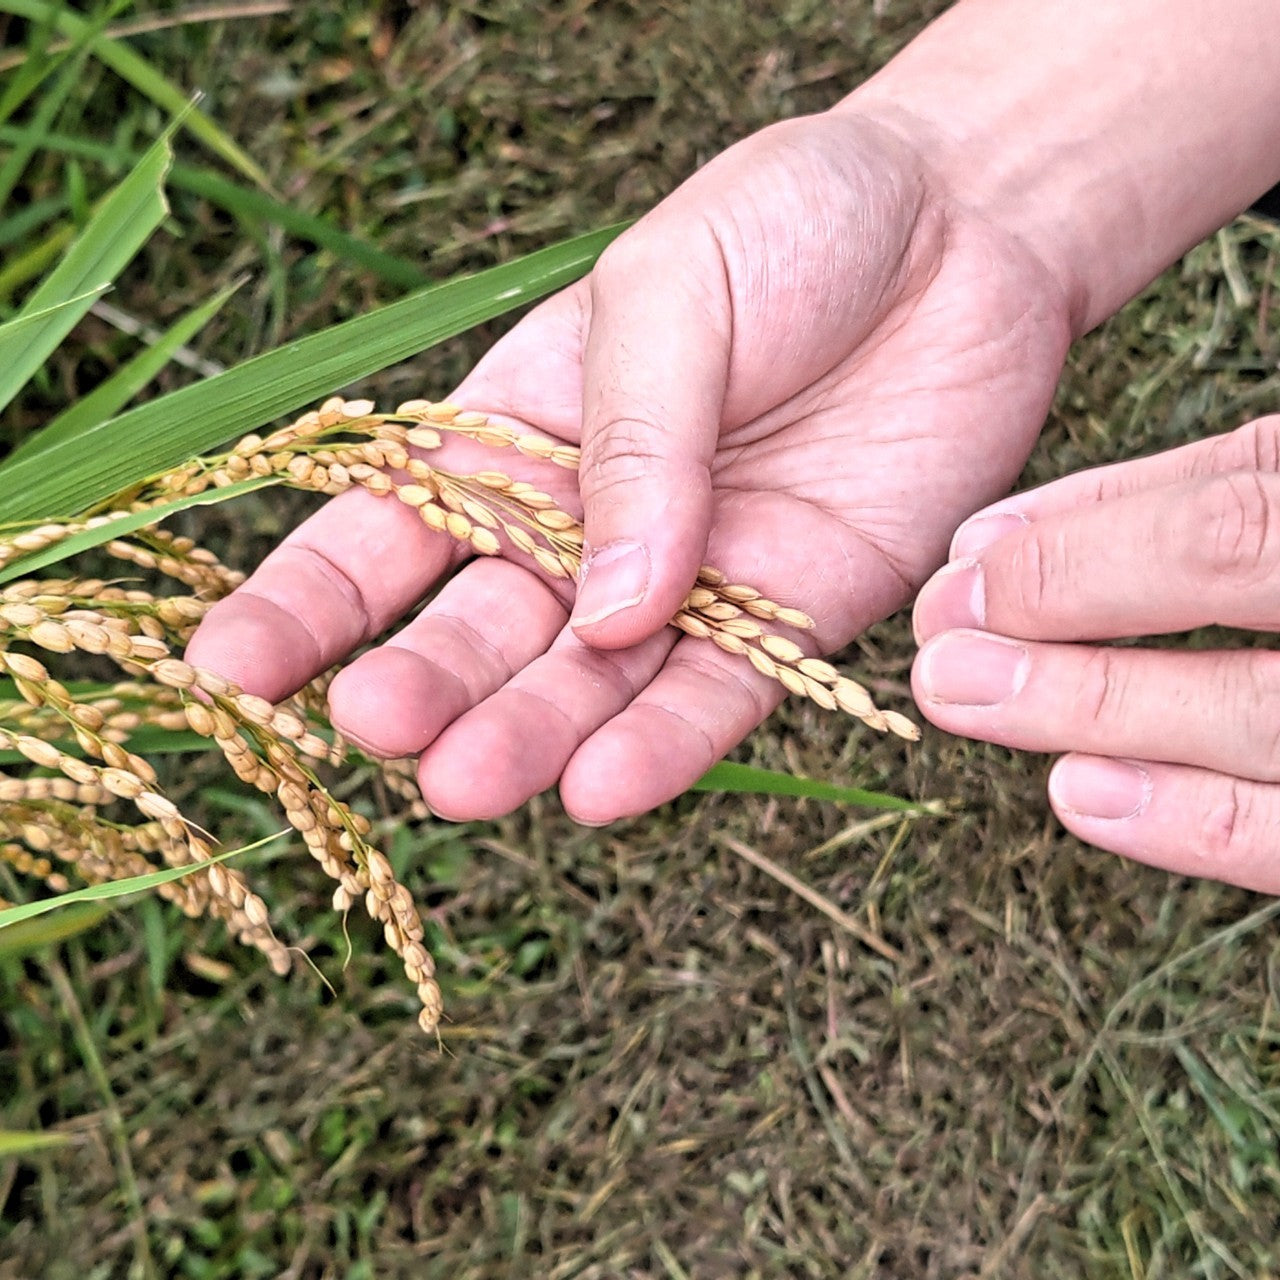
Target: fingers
point(621, 730)
point(654, 374)
point(337, 581)
point(517, 742)
point(1253, 447)
point(1180, 556)
point(1216, 710)
point(486, 624)
point(704, 702)
point(696, 710)
point(1189, 821)
point(1174, 756)
point(627, 729)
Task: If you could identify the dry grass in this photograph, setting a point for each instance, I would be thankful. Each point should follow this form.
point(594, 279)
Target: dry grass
point(661, 1062)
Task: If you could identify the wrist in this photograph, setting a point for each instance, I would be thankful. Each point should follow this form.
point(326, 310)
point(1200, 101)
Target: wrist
point(1106, 142)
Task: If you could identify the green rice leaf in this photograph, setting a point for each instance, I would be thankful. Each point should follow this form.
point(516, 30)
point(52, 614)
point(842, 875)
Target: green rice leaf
point(108, 399)
point(132, 67)
point(49, 930)
point(71, 477)
point(126, 524)
point(247, 204)
point(13, 331)
point(122, 224)
point(747, 779)
point(120, 888)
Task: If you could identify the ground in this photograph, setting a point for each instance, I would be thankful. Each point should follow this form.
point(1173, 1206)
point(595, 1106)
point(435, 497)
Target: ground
point(660, 1062)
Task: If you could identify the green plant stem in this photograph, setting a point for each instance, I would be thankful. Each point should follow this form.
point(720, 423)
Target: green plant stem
point(144, 1263)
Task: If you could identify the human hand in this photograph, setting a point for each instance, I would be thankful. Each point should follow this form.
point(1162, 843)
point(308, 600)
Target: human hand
point(1173, 755)
point(805, 367)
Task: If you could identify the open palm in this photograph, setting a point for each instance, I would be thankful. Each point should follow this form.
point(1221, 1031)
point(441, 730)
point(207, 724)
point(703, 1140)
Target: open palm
point(805, 367)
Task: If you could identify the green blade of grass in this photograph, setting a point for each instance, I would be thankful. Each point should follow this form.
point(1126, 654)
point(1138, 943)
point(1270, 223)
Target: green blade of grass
point(108, 399)
point(12, 331)
point(745, 778)
point(124, 525)
point(48, 106)
point(120, 888)
point(17, 226)
point(71, 477)
point(20, 1142)
point(132, 67)
point(245, 203)
point(239, 201)
point(122, 224)
point(31, 260)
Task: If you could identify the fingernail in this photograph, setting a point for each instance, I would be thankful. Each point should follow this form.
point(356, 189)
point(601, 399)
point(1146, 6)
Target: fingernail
point(980, 531)
point(954, 597)
point(969, 670)
point(1097, 787)
point(613, 578)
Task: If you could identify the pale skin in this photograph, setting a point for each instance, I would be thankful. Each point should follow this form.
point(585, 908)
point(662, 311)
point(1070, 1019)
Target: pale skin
point(807, 366)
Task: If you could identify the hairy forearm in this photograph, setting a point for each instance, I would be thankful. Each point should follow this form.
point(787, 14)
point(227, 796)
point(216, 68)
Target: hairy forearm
point(1109, 136)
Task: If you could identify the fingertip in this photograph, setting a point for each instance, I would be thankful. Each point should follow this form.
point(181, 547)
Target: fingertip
point(955, 597)
point(979, 531)
point(257, 645)
point(383, 702)
point(614, 580)
point(595, 782)
point(1086, 789)
point(478, 769)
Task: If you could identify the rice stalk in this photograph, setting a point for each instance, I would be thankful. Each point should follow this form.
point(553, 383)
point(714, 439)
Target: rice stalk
point(60, 815)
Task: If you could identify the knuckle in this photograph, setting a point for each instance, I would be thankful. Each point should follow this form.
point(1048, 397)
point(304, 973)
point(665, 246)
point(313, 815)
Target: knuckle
point(1230, 527)
point(1230, 826)
point(1036, 577)
point(629, 258)
point(735, 687)
point(1103, 692)
point(1256, 445)
point(620, 452)
point(334, 579)
point(627, 452)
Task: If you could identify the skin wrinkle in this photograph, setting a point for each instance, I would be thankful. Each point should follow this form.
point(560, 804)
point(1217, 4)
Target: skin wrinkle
point(1253, 686)
point(603, 667)
point(347, 586)
point(710, 755)
point(736, 681)
point(1099, 685)
point(472, 638)
point(1228, 820)
point(456, 678)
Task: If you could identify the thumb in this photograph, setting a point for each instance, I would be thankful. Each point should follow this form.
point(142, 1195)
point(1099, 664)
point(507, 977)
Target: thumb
point(655, 366)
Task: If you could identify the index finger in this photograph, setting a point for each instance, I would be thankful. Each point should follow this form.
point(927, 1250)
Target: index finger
point(1170, 559)
point(1254, 446)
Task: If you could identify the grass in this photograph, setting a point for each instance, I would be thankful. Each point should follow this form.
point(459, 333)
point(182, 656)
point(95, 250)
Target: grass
point(662, 1061)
